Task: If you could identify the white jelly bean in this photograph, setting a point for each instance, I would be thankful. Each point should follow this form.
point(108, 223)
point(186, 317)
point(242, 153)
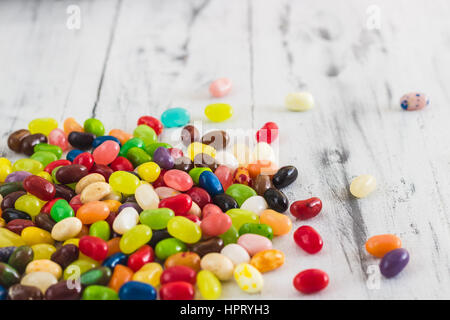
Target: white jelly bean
point(146, 197)
point(125, 220)
point(299, 101)
point(236, 253)
point(39, 279)
point(363, 185)
point(255, 204)
point(219, 264)
point(66, 229)
point(263, 151)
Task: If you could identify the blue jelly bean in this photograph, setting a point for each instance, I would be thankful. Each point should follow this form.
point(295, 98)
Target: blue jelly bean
point(99, 140)
point(115, 259)
point(72, 154)
point(4, 293)
point(5, 253)
point(210, 183)
point(175, 117)
point(394, 262)
point(134, 290)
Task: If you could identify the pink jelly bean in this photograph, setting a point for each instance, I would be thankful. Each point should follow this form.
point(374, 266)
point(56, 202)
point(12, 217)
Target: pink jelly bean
point(210, 208)
point(58, 137)
point(166, 192)
point(220, 87)
point(106, 152)
point(254, 243)
point(215, 224)
point(178, 180)
point(225, 176)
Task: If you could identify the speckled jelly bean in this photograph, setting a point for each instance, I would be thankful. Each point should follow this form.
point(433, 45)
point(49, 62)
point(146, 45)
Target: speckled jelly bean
point(414, 101)
point(279, 223)
point(209, 286)
point(394, 262)
point(299, 101)
point(44, 265)
point(219, 112)
point(306, 209)
point(363, 185)
point(311, 281)
point(248, 278)
point(167, 247)
point(308, 239)
point(184, 229)
point(175, 117)
point(380, 245)
point(268, 260)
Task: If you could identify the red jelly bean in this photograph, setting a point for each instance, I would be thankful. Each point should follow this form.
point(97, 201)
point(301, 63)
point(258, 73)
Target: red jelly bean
point(159, 182)
point(306, 209)
point(311, 281)
point(200, 196)
point(121, 164)
point(180, 204)
point(308, 239)
point(193, 218)
point(268, 133)
point(52, 165)
point(93, 247)
point(176, 153)
point(215, 224)
point(102, 169)
point(143, 255)
point(17, 225)
point(48, 206)
point(152, 122)
point(39, 187)
point(86, 159)
point(179, 290)
point(76, 203)
point(178, 273)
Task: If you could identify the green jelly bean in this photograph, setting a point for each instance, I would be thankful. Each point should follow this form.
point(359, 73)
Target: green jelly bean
point(151, 148)
point(230, 236)
point(61, 210)
point(8, 275)
point(241, 216)
point(262, 229)
point(95, 292)
point(19, 259)
point(196, 172)
point(94, 126)
point(138, 156)
point(98, 276)
point(78, 267)
point(44, 157)
point(132, 143)
point(156, 219)
point(240, 192)
point(29, 165)
point(146, 134)
point(57, 151)
point(167, 247)
point(11, 187)
point(100, 229)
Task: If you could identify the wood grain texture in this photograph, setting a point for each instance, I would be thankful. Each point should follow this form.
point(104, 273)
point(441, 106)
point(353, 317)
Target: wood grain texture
point(141, 57)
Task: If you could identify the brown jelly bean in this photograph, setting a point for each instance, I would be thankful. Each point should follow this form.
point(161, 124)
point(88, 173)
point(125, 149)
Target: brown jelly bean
point(202, 248)
point(71, 173)
point(15, 139)
point(205, 160)
point(64, 192)
point(44, 221)
point(217, 139)
point(63, 290)
point(183, 163)
point(189, 134)
point(18, 225)
point(21, 292)
point(10, 199)
point(262, 183)
point(28, 143)
point(65, 255)
point(102, 169)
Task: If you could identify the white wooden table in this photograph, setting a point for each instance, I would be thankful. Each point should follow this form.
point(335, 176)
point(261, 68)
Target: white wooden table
point(357, 57)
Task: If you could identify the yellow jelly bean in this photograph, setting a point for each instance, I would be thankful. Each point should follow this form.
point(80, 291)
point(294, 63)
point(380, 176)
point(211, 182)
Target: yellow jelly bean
point(135, 238)
point(47, 176)
point(363, 185)
point(209, 286)
point(5, 168)
point(42, 251)
point(29, 204)
point(248, 278)
point(197, 147)
point(184, 229)
point(44, 265)
point(124, 182)
point(42, 125)
point(219, 112)
point(149, 273)
point(2, 221)
point(29, 165)
point(34, 235)
point(10, 239)
point(299, 101)
point(241, 216)
point(149, 171)
point(74, 241)
point(78, 267)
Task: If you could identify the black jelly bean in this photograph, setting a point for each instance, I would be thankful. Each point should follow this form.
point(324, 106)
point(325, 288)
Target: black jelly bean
point(285, 176)
point(81, 140)
point(276, 200)
point(11, 214)
point(224, 202)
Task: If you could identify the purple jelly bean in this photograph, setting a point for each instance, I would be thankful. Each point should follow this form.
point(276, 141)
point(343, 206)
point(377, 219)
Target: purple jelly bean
point(17, 176)
point(394, 262)
point(132, 205)
point(163, 158)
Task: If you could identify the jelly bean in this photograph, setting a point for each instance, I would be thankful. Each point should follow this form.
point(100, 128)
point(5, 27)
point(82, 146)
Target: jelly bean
point(146, 197)
point(70, 124)
point(17, 176)
point(121, 135)
point(199, 196)
point(306, 209)
point(40, 279)
point(220, 87)
point(267, 260)
point(27, 143)
point(126, 220)
point(176, 153)
point(132, 143)
point(9, 200)
point(224, 202)
point(146, 134)
point(100, 229)
point(135, 238)
point(184, 229)
point(180, 204)
point(15, 139)
point(256, 228)
point(189, 134)
point(209, 286)
point(268, 133)
point(58, 137)
point(61, 210)
point(42, 125)
point(285, 176)
point(178, 273)
point(156, 219)
point(166, 192)
point(194, 212)
point(196, 172)
point(210, 183)
point(394, 262)
point(242, 176)
point(218, 139)
point(105, 171)
point(17, 225)
point(240, 192)
point(414, 101)
point(142, 256)
point(124, 182)
point(151, 148)
point(44, 221)
point(256, 204)
point(248, 278)
point(276, 200)
point(183, 163)
point(163, 158)
point(12, 214)
point(5, 168)
point(20, 258)
point(45, 147)
point(72, 154)
point(115, 259)
point(379, 245)
point(78, 268)
point(254, 243)
point(197, 147)
point(220, 265)
point(93, 247)
point(240, 216)
point(134, 290)
point(95, 192)
point(106, 152)
point(81, 140)
point(71, 173)
point(311, 281)
point(210, 209)
point(6, 252)
point(52, 165)
point(29, 165)
point(87, 180)
point(8, 275)
point(308, 239)
point(66, 229)
point(178, 180)
point(218, 112)
point(363, 185)
point(263, 152)
point(7, 188)
point(152, 122)
point(204, 160)
point(188, 259)
point(94, 126)
point(42, 251)
point(150, 273)
point(167, 247)
point(137, 156)
point(96, 292)
point(225, 176)
point(280, 223)
point(262, 167)
point(99, 140)
point(175, 117)
point(149, 171)
point(299, 101)
point(63, 290)
point(236, 253)
point(214, 244)
point(21, 292)
point(39, 187)
point(122, 164)
point(120, 276)
point(215, 224)
point(34, 235)
point(44, 265)
point(29, 204)
point(177, 291)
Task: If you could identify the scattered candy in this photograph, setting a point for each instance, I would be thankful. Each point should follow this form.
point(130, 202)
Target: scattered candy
point(311, 281)
point(299, 101)
point(414, 101)
point(220, 87)
point(219, 112)
point(363, 185)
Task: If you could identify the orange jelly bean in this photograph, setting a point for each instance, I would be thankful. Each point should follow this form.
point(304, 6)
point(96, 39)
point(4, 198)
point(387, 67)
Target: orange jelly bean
point(379, 245)
point(84, 231)
point(92, 212)
point(280, 223)
point(121, 135)
point(187, 259)
point(121, 275)
point(267, 260)
point(262, 166)
point(70, 124)
point(113, 246)
point(113, 205)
